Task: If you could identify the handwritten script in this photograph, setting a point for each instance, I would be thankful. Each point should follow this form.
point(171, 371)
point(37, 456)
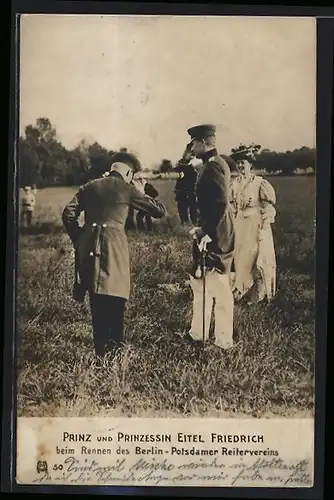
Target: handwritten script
point(274, 472)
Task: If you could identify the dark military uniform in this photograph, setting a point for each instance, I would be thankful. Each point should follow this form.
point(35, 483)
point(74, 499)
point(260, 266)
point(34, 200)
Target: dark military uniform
point(144, 221)
point(102, 254)
point(215, 213)
point(217, 222)
point(185, 192)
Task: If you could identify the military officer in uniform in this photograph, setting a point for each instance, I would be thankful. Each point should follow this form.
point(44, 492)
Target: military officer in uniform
point(216, 222)
point(101, 247)
point(185, 190)
point(144, 221)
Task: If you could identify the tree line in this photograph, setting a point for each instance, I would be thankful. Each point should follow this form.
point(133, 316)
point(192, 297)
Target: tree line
point(44, 161)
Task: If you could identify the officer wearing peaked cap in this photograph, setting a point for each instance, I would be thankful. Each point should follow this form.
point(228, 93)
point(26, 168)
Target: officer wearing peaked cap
point(202, 131)
point(215, 221)
point(128, 158)
point(102, 254)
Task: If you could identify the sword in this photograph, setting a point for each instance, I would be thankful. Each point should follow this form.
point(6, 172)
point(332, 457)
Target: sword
point(204, 290)
point(79, 290)
point(202, 245)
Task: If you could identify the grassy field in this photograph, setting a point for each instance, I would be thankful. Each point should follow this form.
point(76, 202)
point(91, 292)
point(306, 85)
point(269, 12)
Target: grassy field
point(269, 371)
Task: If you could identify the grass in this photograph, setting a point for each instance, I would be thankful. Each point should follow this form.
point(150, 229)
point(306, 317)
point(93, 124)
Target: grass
point(269, 372)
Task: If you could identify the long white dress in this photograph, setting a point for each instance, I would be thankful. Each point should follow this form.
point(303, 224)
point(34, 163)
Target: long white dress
point(253, 199)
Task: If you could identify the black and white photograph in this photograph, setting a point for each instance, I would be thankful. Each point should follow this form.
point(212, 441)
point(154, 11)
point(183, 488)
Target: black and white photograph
point(166, 208)
point(167, 193)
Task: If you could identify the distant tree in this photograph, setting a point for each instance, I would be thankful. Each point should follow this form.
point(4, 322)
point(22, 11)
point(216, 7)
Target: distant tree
point(288, 162)
point(29, 164)
point(43, 160)
point(268, 160)
point(156, 168)
point(304, 157)
point(78, 164)
point(51, 154)
point(166, 166)
point(99, 160)
point(42, 132)
point(83, 146)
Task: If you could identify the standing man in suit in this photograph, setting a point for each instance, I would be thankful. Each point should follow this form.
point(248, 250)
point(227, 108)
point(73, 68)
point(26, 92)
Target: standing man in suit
point(215, 221)
point(102, 254)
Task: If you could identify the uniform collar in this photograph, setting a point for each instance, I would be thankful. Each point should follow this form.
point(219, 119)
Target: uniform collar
point(209, 154)
point(113, 173)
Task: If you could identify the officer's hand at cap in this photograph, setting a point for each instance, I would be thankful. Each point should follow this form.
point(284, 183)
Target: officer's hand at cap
point(188, 154)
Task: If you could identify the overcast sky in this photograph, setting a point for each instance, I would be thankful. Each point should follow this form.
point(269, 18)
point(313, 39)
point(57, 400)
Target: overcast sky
point(141, 81)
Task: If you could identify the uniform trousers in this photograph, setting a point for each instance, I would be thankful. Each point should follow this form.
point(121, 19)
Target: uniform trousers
point(143, 221)
point(108, 321)
point(187, 206)
point(218, 288)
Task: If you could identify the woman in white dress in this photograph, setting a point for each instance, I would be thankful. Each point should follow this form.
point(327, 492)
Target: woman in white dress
point(253, 201)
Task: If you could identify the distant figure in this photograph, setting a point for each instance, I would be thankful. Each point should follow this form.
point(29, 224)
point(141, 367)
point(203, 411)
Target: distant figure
point(185, 196)
point(253, 200)
point(144, 221)
point(28, 203)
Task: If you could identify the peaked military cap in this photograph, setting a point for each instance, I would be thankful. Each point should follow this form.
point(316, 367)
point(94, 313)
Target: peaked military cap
point(128, 158)
point(202, 131)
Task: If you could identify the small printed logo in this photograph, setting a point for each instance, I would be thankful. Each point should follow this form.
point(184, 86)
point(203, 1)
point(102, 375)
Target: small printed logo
point(42, 466)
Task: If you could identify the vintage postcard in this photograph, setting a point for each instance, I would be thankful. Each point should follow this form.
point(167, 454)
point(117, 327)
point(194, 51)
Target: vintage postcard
point(165, 282)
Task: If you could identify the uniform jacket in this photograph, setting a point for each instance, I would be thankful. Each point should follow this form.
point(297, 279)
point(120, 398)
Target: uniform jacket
point(185, 184)
point(215, 213)
point(101, 244)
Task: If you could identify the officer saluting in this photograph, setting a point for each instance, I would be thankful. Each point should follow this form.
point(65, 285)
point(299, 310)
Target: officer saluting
point(216, 222)
point(102, 255)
